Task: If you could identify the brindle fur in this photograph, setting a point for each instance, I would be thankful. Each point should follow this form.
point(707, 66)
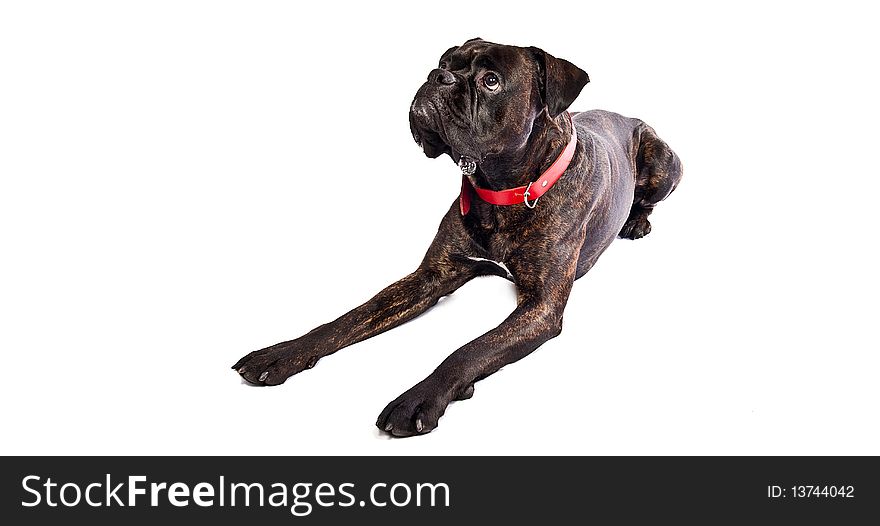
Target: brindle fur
point(619, 172)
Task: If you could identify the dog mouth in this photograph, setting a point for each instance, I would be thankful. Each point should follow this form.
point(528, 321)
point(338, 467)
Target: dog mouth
point(427, 127)
point(437, 127)
point(430, 141)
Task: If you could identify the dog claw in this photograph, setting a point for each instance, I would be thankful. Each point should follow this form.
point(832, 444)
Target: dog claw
point(419, 425)
point(264, 376)
point(388, 426)
point(241, 370)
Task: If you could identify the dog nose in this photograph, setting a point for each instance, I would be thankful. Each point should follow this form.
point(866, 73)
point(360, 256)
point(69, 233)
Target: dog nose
point(441, 76)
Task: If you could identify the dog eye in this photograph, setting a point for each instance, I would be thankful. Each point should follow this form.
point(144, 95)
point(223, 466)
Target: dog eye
point(491, 81)
point(443, 64)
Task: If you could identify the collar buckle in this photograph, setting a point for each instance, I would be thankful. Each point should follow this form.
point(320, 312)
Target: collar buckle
point(526, 198)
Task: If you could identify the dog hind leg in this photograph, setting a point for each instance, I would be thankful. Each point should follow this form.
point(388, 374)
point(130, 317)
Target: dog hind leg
point(658, 173)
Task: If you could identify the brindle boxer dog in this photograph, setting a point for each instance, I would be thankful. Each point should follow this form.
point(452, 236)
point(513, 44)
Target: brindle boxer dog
point(500, 113)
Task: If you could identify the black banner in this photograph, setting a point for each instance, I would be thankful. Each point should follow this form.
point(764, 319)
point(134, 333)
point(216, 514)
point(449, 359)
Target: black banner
point(436, 490)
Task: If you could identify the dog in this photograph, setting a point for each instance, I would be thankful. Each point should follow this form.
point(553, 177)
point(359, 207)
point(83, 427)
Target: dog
point(544, 193)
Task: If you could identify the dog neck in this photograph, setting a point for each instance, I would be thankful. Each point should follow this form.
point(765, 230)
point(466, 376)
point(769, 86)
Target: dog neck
point(548, 138)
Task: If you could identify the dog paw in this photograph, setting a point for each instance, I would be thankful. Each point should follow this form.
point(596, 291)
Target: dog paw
point(273, 365)
point(635, 227)
point(417, 411)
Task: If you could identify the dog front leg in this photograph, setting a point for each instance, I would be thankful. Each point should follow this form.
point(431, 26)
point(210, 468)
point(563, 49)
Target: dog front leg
point(536, 320)
point(544, 276)
point(393, 306)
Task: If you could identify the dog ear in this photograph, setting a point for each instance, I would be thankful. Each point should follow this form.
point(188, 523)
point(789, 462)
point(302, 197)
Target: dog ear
point(559, 80)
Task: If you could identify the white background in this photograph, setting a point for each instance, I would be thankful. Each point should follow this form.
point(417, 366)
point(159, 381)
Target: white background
point(155, 228)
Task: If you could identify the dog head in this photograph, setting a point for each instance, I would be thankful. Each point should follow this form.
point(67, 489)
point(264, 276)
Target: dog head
point(483, 99)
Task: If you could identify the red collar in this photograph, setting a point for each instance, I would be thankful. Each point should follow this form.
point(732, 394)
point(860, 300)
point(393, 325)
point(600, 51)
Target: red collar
point(522, 194)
